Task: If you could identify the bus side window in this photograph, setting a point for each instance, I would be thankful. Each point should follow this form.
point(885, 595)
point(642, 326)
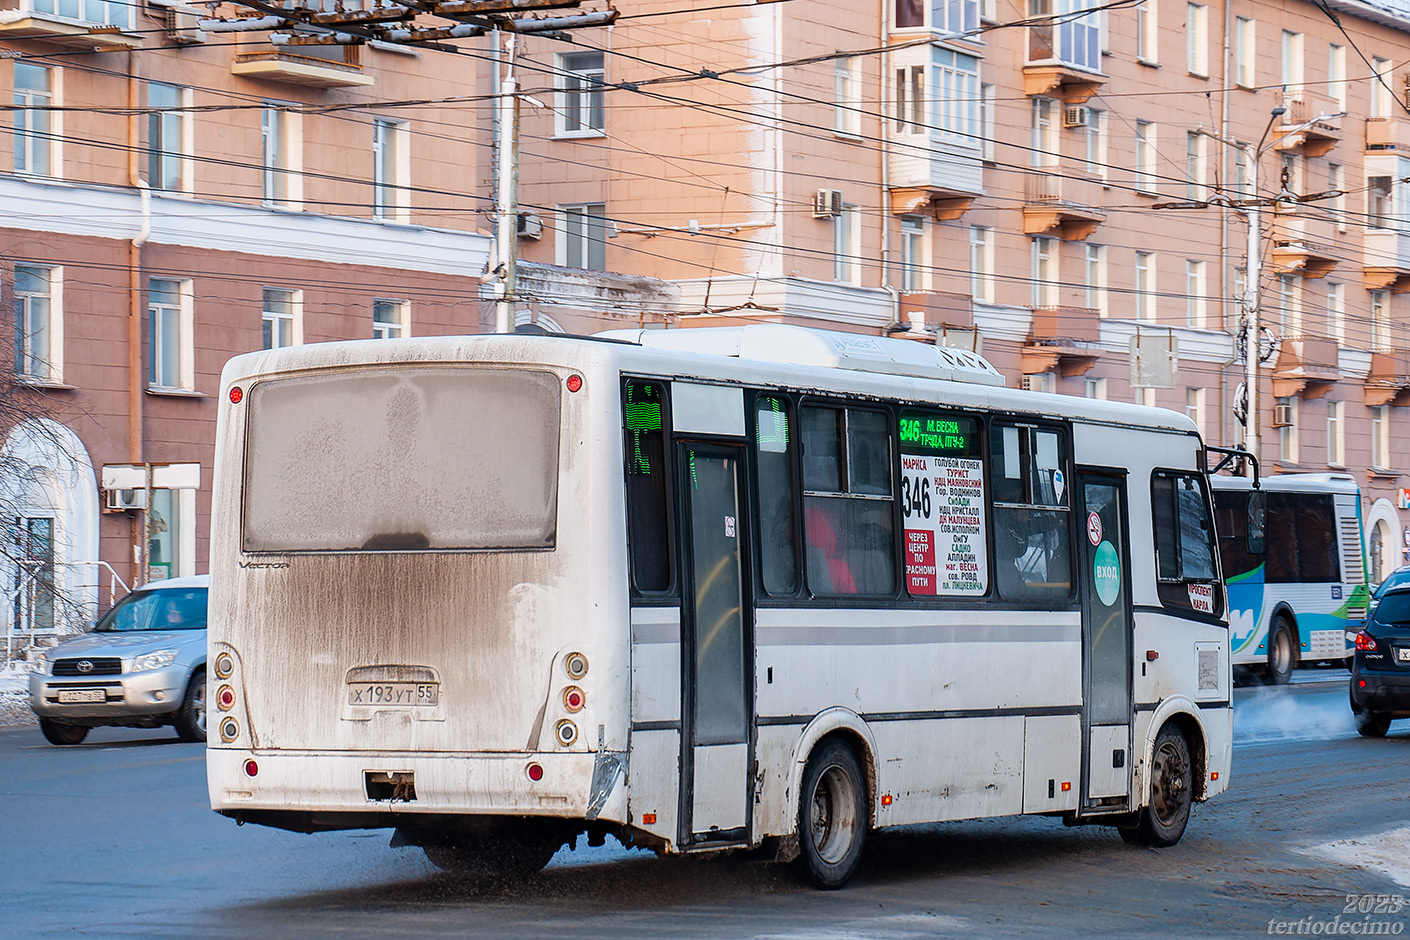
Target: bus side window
point(1032, 513)
point(848, 504)
point(774, 447)
point(1184, 543)
point(1303, 538)
point(643, 411)
point(1240, 543)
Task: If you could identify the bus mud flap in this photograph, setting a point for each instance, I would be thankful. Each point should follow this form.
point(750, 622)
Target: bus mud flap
point(608, 766)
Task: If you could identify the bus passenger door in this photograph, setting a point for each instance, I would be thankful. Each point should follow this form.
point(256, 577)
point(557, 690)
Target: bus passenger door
point(717, 664)
point(1106, 640)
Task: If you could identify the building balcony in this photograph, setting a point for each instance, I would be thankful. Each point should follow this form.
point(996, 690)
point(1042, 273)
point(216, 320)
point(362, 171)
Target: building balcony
point(1064, 61)
point(932, 314)
point(38, 20)
point(1307, 365)
point(1063, 339)
point(1386, 256)
point(1303, 243)
point(1388, 382)
point(1387, 133)
point(316, 66)
point(1062, 199)
point(1314, 109)
point(937, 173)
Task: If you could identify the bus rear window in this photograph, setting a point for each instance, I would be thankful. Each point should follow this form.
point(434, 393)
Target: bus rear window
point(427, 459)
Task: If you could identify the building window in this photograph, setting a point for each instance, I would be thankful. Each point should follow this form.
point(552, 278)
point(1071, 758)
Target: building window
point(1336, 206)
point(31, 587)
point(1336, 434)
point(169, 304)
point(1142, 395)
point(1146, 31)
point(955, 95)
point(1095, 389)
point(1194, 166)
point(1145, 156)
point(171, 548)
point(1243, 173)
point(583, 241)
point(847, 97)
point(1289, 305)
point(1380, 320)
point(1044, 140)
point(981, 263)
point(1075, 38)
point(389, 318)
point(1290, 172)
point(168, 140)
point(910, 100)
point(1194, 294)
point(1380, 437)
point(913, 255)
point(1194, 407)
point(1197, 38)
point(1145, 285)
point(988, 100)
point(1382, 97)
point(955, 16)
point(1292, 64)
point(1336, 313)
point(282, 317)
point(1336, 75)
point(1287, 434)
point(279, 131)
point(1096, 278)
point(390, 170)
point(35, 130)
point(1245, 47)
point(1095, 143)
point(580, 107)
point(107, 12)
point(38, 323)
point(910, 14)
point(1380, 206)
point(846, 247)
point(1043, 271)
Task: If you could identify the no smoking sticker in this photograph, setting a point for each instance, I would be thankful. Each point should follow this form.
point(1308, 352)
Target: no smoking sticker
point(1094, 528)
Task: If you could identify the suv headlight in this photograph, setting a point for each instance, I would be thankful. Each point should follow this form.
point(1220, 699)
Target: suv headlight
point(149, 661)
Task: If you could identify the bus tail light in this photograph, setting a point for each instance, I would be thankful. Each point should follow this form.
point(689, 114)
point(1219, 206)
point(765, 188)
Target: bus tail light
point(535, 772)
point(575, 382)
point(229, 729)
point(574, 699)
point(251, 768)
point(225, 698)
point(576, 664)
point(224, 666)
point(566, 732)
point(1364, 641)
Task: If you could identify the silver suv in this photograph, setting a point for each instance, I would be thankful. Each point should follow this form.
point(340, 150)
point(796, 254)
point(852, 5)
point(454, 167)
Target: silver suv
point(142, 666)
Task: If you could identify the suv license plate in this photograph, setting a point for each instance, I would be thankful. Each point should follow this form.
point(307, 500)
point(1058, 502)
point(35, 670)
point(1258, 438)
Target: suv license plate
point(79, 696)
point(1402, 655)
point(395, 694)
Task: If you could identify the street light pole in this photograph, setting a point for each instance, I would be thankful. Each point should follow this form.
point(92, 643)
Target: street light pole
point(1252, 272)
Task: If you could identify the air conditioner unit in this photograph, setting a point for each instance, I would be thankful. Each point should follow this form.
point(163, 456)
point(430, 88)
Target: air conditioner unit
point(827, 204)
point(123, 500)
point(528, 225)
point(182, 25)
point(1076, 116)
point(1282, 415)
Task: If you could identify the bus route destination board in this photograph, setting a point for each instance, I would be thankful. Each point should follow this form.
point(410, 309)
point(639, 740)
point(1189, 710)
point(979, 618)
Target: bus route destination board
point(942, 503)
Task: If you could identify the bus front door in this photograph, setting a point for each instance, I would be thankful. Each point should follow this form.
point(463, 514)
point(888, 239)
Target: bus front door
point(1106, 641)
point(716, 687)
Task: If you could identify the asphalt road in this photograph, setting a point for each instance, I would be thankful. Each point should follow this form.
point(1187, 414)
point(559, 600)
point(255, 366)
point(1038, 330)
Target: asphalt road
point(114, 838)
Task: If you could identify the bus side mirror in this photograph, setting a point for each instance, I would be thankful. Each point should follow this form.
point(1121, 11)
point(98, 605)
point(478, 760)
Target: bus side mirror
point(1257, 513)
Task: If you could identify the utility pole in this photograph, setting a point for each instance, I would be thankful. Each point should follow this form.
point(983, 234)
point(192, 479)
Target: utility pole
point(506, 195)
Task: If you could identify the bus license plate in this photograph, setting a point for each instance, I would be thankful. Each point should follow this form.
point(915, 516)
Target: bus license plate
point(80, 696)
point(395, 694)
point(1402, 655)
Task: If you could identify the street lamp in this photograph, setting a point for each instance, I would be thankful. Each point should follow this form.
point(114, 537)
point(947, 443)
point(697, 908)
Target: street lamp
point(1252, 266)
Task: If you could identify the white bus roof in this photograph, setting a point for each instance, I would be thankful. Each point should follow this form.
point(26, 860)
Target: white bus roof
point(796, 345)
point(1343, 483)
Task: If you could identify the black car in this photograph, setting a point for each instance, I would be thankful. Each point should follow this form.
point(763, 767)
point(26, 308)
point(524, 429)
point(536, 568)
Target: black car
point(1380, 669)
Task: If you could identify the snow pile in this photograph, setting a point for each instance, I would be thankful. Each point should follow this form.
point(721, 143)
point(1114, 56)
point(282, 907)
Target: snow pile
point(1387, 853)
point(14, 698)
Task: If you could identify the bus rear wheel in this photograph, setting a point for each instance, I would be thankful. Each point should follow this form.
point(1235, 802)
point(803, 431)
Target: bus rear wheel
point(1161, 822)
point(832, 816)
point(1282, 655)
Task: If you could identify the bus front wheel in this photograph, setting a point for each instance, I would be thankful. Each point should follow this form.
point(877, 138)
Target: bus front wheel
point(1161, 822)
point(832, 816)
point(1282, 655)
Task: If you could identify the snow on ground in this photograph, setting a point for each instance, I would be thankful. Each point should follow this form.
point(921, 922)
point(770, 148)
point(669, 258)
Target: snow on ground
point(1387, 853)
point(14, 698)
